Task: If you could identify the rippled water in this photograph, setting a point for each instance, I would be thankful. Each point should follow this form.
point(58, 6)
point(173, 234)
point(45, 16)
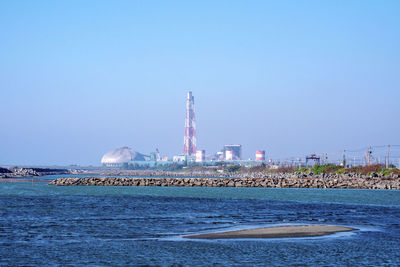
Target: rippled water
point(49, 225)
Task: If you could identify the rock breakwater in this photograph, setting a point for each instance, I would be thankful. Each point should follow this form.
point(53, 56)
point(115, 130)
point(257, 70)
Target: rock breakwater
point(298, 180)
point(29, 172)
point(160, 173)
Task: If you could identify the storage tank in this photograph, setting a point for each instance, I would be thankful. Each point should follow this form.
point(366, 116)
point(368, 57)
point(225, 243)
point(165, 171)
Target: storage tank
point(200, 155)
point(260, 155)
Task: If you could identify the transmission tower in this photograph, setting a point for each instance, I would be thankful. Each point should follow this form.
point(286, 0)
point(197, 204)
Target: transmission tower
point(368, 156)
point(189, 142)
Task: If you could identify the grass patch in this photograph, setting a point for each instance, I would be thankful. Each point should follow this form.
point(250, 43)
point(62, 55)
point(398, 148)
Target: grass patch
point(307, 170)
point(340, 171)
point(328, 168)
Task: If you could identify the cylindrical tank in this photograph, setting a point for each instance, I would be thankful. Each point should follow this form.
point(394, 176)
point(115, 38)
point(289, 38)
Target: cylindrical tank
point(260, 155)
point(200, 155)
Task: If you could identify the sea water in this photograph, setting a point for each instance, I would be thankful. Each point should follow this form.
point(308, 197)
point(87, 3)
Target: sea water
point(88, 225)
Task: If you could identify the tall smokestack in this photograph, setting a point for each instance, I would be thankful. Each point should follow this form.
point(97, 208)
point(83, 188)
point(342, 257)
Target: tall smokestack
point(189, 142)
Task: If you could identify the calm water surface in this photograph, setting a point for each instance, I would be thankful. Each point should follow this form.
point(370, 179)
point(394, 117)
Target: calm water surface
point(49, 225)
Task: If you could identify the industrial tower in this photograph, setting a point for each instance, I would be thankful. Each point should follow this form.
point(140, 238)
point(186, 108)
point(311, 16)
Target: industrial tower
point(189, 142)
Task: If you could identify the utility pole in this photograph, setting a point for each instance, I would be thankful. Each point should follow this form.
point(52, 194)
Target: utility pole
point(388, 157)
point(344, 158)
point(369, 155)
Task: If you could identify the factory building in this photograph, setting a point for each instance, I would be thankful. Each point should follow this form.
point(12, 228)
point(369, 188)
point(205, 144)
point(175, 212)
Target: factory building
point(180, 158)
point(120, 156)
point(260, 155)
point(235, 151)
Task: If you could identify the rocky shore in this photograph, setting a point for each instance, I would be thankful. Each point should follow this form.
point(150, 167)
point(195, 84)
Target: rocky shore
point(283, 180)
point(29, 172)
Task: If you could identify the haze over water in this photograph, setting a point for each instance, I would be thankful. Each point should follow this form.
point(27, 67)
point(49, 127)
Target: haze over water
point(79, 79)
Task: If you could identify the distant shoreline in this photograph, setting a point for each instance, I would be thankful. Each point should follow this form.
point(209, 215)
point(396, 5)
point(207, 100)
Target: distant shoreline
point(23, 180)
point(29, 172)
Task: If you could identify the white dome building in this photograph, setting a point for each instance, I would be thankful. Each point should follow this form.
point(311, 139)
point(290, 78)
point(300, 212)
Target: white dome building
point(120, 156)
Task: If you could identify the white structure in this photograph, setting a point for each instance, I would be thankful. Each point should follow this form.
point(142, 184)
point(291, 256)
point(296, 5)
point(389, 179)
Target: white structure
point(179, 158)
point(200, 155)
point(236, 151)
point(120, 156)
point(228, 155)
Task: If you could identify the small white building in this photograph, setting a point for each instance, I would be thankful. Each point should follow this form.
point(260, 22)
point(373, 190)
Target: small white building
point(200, 155)
point(179, 158)
point(228, 155)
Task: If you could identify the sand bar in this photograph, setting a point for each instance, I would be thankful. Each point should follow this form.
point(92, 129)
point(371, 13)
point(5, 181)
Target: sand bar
point(276, 232)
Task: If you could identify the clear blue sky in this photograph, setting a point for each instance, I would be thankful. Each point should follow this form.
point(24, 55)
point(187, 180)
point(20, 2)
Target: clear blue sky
point(79, 78)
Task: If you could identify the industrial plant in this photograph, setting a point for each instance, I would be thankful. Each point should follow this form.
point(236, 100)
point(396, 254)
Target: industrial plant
point(120, 156)
point(125, 157)
point(232, 153)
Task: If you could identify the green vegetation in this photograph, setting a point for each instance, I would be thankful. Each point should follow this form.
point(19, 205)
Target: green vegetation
point(260, 168)
point(233, 168)
point(340, 171)
point(282, 170)
point(170, 167)
point(337, 169)
point(307, 170)
point(375, 168)
point(331, 169)
point(317, 169)
point(386, 172)
point(328, 168)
